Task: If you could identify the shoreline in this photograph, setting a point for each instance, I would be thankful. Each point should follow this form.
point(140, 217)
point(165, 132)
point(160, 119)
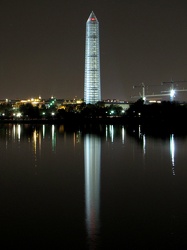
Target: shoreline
point(73, 121)
point(152, 127)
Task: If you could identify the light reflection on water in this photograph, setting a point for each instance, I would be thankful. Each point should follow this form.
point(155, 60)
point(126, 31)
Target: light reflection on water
point(92, 164)
point(116, 165)
point(172, 152)
point(53, 137)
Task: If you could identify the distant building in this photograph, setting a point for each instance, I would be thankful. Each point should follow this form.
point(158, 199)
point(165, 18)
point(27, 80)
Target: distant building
point(34, 101)
point(92, 84)
point(123, 104)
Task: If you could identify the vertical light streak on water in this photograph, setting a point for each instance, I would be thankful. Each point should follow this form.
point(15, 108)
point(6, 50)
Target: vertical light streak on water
point(14, 132)
point(35, 147)
point(111, 131)
point(43, 131)
point(92, 161)
point(143, 139)
point(7, 135)
point(144, 143)
point(106, 132)
point(139, 131)
point(19, 132)
point(74, 139)
point(77, 137)
point(172, 152)
point(40, 140)
point(123, 135)
point(34, 140)
point(53, 135)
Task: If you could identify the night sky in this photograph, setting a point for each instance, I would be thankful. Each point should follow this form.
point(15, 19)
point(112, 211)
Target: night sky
point(42, 45)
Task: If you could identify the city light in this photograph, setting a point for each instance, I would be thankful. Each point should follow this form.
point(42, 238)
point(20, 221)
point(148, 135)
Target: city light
point(172, 93)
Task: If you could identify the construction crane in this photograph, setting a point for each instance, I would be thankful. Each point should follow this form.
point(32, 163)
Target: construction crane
point(142, 85)
point(173, 90)
point(143, 95)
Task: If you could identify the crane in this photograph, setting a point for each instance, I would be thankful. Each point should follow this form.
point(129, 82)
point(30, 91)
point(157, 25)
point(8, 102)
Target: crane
point(172, 90)
point(143, 95)
point(142, 85)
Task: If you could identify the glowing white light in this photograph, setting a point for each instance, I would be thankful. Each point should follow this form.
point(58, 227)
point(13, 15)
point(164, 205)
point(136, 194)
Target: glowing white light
point(172, 93)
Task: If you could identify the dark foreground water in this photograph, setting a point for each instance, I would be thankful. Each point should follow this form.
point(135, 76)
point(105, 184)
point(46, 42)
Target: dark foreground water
point(102, 188)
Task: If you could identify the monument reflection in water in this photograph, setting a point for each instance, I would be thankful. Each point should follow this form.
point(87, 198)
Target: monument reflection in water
point(92, 158)
point(51, 187)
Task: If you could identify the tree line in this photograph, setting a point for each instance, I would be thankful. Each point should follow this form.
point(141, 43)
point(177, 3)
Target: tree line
point(29, 111)
point(139, 112)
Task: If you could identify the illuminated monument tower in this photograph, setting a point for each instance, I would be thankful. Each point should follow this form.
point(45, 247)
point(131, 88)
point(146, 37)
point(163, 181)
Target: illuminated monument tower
point(92, 85)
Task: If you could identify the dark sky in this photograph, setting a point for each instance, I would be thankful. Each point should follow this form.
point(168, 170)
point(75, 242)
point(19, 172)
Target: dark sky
point(42, 46)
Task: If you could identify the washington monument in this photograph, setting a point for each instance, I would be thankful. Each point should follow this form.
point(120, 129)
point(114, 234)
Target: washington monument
point(92, 82)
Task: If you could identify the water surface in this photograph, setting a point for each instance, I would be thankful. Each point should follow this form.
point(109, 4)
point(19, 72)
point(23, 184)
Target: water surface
point(99, 187)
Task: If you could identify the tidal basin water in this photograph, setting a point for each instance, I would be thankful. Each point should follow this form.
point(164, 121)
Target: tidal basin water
point(102, 187)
